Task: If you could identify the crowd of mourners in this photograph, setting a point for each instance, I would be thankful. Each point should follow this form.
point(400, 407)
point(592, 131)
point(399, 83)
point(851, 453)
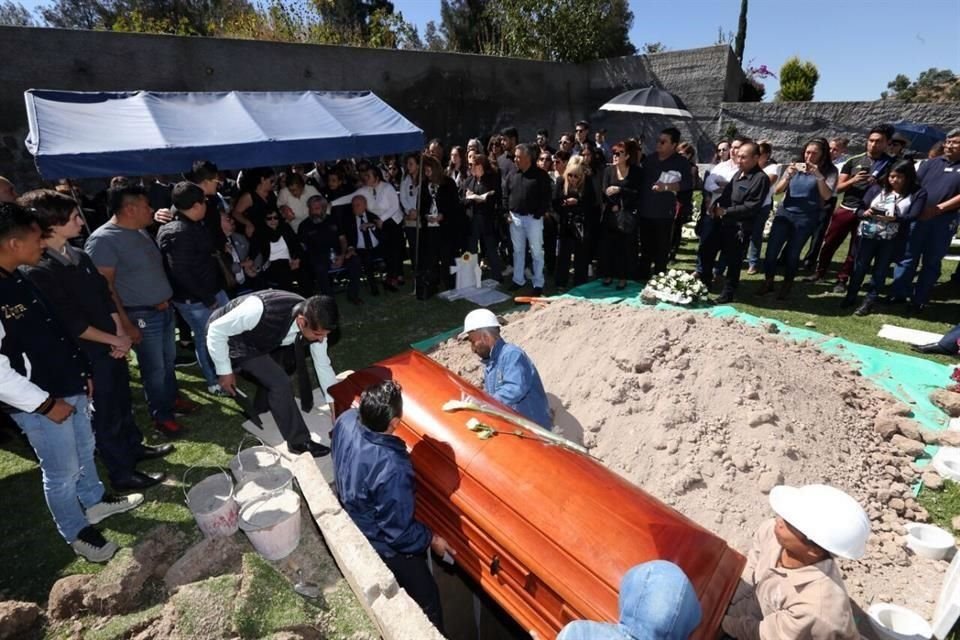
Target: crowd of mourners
point(122, 268)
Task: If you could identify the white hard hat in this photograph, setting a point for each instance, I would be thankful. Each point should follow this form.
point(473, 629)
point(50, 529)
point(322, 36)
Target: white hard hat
point(478, 319)
point(826, 515)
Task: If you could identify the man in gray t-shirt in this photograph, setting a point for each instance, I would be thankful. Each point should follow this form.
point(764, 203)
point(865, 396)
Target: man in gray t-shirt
point(131, 262)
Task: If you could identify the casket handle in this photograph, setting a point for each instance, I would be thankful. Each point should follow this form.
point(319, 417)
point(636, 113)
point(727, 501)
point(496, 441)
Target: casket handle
point(495, 565)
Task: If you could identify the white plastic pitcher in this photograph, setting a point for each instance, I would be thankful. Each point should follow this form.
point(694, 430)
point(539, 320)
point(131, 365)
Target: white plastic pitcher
point(249, 462)
point(212, 503)
point(272, 523)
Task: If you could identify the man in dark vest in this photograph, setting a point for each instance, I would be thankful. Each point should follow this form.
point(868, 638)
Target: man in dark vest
point(248, 335)
point(45, 385)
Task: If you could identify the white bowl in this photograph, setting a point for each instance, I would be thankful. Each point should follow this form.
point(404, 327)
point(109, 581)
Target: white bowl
point(929, 541)
point(892, 622)
point(947, 463)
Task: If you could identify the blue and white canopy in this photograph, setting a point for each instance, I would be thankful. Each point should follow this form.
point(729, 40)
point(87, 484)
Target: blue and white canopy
point(84, 135)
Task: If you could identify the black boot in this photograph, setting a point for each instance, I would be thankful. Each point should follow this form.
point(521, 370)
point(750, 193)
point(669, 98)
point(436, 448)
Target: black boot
point(933, 347)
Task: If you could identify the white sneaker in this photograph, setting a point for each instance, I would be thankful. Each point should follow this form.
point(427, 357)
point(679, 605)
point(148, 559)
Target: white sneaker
point(216, 390)
point(111, 504)
point(91, 545)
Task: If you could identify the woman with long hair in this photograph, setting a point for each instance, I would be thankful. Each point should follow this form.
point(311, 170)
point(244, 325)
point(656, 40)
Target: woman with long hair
point(808, 184)
point(887, 207)
point(409, 193)
point(620, 195)
point(456, 168)
point(482, 202)
point(575, 204)
point(256, 200)
point(277, 243)
point(441, 220)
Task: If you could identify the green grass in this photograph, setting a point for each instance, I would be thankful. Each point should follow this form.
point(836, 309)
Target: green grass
point(942, 505)
point(36, 556)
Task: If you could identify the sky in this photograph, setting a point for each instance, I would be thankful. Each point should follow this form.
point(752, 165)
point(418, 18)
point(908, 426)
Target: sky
point(858, 45)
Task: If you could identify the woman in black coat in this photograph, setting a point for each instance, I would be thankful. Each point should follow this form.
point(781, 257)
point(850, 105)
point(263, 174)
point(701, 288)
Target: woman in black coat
point(622, 184)
point(276, 242)
point(575, 203)
point(442, 228)
point(481, 198)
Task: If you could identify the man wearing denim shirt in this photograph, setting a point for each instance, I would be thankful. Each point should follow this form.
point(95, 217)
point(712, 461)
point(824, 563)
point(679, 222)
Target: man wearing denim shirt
point(508, 373)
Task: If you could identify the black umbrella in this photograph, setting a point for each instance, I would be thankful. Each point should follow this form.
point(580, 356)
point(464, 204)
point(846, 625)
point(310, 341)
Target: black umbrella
point(649, 100)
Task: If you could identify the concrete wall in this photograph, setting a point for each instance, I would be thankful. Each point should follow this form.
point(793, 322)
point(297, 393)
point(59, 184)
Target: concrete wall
point(450, 96)
point(788, 125)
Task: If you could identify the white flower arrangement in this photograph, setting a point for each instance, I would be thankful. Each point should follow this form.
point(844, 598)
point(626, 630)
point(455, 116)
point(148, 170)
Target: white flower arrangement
point(675, 287)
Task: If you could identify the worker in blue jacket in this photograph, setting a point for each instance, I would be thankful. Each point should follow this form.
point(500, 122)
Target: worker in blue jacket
point(374, 481)
point(509, 374)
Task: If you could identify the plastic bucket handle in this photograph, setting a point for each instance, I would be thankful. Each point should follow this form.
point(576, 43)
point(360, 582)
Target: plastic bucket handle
point(192, 468)
point(262, 444)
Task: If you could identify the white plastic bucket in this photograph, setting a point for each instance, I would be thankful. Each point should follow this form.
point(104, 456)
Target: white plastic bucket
point(249, 462)
point(272, 523)
point(267, 481)
point(892, 622)
point(212, 503)
point(929, 541)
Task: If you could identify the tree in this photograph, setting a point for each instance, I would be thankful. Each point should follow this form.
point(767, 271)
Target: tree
point(558, 30)
point(14, 14)
point(797, 81)
point(741, 40)
point(462, 23)
point(724, 37)
point(432, 38)
point(184, 17)
point(932, 85)
point(653, 47)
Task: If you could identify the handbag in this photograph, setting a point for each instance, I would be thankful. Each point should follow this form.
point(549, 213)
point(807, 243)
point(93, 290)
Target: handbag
point(625, 221)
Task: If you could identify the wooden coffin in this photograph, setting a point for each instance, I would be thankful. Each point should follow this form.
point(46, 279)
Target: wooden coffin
point(547, 532)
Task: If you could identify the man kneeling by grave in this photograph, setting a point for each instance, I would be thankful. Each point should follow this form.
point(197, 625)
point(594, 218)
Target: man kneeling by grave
point(374, 480)
point(791, 587)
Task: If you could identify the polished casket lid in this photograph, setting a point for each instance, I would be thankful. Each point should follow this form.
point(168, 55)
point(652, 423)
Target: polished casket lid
point(546, 531)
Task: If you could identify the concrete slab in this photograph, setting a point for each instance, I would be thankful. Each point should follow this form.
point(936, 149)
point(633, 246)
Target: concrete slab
point(910, 336)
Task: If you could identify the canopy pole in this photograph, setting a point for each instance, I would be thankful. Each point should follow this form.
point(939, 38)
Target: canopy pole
point(83, 216)
point(416, 252)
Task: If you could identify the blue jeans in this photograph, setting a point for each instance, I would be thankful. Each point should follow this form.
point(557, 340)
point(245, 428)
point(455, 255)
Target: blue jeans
point(787, 234)
point(526, 230)
point(756, 237)
point(656, 601)
point(929, 242)
point(196, 314)
point(155, 356)
point(65, 452)
point(875, 251)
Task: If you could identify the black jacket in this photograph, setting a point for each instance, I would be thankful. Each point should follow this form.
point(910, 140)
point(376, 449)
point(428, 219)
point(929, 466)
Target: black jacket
point(189, 259)
point(319, 237)
point(264, 236)
point(33, 333)
point(79, 295)
point(490, 209)
point(350, 230)
point(448, 205)
point(743, 196)
point(528, 192)
point(581, 214)
point(630, 188)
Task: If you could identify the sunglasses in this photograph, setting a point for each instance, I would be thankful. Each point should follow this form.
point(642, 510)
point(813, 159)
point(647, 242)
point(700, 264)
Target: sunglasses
point(617, 154)
point(269, 218)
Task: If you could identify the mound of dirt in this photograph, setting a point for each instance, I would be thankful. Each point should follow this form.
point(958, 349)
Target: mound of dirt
point(709, 414)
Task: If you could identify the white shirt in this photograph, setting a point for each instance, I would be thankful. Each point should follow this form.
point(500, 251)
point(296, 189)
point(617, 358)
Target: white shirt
point(279, 250)
point(297, 205)
point(772, 170)
point(409, 196)
point(719, 176)
point(382, 201)
point(245, 317)
point(17, 390)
